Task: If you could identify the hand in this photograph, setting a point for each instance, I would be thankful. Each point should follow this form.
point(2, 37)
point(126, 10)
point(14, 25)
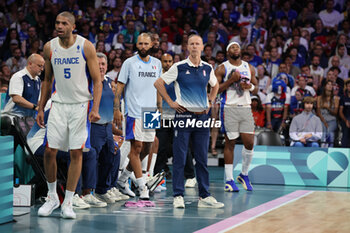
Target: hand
point(269, 126)
point(307, 136)
point(325, 124)
point(283, 125)
point(94, 116)
point(303, 140)
point(347, 122)
point(245, 86)
point(119, 140)
point(118, 118)
point(174, 105)
point(40, 119)
point(234, 76)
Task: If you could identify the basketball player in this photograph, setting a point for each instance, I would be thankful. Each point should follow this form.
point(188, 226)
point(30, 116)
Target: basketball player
point(66, 59)
point(137, 77)
point(237, 80)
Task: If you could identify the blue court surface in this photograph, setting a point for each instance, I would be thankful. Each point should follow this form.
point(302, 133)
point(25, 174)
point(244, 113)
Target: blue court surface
point(163, 217)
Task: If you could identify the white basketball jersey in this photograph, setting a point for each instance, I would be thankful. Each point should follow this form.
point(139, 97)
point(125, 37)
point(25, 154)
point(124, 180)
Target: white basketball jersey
point(230, 96)
point(72, 83)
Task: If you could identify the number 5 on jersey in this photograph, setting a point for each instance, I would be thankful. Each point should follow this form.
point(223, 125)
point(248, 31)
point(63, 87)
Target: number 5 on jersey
point(67, 73)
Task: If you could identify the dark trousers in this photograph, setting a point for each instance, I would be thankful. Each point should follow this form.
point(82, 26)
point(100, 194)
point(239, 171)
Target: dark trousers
point(88, 173)
point(199, 138)
point(102, 141)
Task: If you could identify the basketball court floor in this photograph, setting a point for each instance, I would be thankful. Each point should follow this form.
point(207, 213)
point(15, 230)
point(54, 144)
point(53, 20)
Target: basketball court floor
point(269, 208)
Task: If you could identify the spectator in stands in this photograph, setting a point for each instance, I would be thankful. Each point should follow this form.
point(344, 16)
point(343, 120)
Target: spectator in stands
point(174, 32)
point(10, 44)
point(332, 75)
point(242, 39)
point(207, 53)
point(275, 57)
point(302, 87)
point(296, 102)
point(316, 71)
point(3, 31)
point(293, 70)
point(34, 47)
point(254, 60)
point(342, 53)
point(306, 128)
point(271, 68)
point(264, 81)
point(258, 111)
point(344, 114)
point(287, 12)
point(27, 44)
point(117, 64)
point(212, 42)
point(277, 104)
point(5, 74)
point(17, 62)
point(297, 59)
point(330, 17)
point(130, 34)
point(247, 17)
point(334, 61)
point(327, 110)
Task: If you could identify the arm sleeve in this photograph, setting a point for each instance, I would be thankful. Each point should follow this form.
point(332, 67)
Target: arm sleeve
point(317, 135)
point(16, 85)
point(124, 73)
point(171, 75)
point(293, 130)
point(213, 80)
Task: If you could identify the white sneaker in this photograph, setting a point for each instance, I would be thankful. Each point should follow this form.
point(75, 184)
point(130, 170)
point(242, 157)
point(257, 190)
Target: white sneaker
point(51, 203)
point(79, 203)
point(93, 201)
point(179, 202)
point(144, 193)
point(105, 197)
point(67, 211)
point(209, 202)
point(119, 194)
point(125, 189)
point(158, 189)
point(114, 195)
point(191, 183)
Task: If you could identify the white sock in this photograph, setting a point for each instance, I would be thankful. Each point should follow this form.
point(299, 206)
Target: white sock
point(140, 182)
point(133, 178)
point(52, 187)
point(153, 163)
point(229, 172)
point(144, 163)
point(69, 196)
point(247, 156)
point(125, 175)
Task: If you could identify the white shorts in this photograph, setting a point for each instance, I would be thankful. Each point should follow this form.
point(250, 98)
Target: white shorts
point(238, 120)
point(134, 130)
point(68, 126)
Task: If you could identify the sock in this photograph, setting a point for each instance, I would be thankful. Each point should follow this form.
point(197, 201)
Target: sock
point(247, 156)
point(229, 172)
point(144, 163)
point(124, 176)
point(133, 178)
point(153, 163)
point(140, 182)
point(52, 187)
point(69, 196)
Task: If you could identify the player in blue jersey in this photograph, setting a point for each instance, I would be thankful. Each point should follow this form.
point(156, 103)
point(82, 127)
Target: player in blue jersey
point(136, 79)
point(191, 77)
point(68, 123)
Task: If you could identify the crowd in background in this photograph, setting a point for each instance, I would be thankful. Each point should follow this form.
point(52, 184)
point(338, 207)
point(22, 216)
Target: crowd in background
point(299, 48)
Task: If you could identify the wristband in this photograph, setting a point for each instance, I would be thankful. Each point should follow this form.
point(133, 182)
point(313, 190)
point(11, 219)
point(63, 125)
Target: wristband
point(252, 88)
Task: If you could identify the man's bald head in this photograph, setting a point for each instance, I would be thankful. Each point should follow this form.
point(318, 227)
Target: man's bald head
point(167, 61)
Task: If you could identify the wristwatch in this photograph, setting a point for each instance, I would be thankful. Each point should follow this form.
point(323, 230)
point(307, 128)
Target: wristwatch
point(34, 106)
